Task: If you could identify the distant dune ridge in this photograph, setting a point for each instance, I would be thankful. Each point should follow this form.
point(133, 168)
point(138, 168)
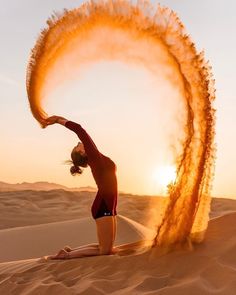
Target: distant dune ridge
point(40, 185)
point(36, 223)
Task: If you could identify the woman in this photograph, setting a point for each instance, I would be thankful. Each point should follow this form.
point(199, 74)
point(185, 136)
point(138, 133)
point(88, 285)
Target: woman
point(104, 206)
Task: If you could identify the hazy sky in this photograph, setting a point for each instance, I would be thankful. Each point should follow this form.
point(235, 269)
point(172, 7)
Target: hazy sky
point(29, 153)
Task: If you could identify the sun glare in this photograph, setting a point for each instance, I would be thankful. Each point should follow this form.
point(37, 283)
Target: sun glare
point(164, 175)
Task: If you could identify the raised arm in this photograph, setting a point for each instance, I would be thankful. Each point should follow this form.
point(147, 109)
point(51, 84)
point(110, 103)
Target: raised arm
point(89, 146)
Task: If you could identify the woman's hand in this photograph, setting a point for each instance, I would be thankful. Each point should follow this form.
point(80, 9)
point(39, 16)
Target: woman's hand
point(52, 120)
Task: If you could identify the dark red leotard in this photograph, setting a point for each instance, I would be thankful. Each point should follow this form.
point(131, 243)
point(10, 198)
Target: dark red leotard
point(104, 173)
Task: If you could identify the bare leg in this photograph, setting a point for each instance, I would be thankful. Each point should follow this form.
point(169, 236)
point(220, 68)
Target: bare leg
point(130, 248)
point(106, 231)
point(115, 229)
point(84, 252)
point(69, 249)
point(76, 253)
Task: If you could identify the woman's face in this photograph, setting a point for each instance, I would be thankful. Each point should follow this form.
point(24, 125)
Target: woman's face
point(80, 149)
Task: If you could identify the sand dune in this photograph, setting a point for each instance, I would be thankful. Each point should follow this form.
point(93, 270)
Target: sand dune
point(29, 231)
point(209, 269)
point(40, 240)
point(37, 207)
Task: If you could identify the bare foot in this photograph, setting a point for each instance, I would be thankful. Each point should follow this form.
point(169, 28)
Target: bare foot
point(43, 259)
point(62, 254)
point(67, 248)
point(114, 251)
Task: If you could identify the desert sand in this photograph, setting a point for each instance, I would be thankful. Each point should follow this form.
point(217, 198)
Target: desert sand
point(38, 223)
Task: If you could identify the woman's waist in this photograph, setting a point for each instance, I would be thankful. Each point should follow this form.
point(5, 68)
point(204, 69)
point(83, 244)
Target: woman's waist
point(107, 193)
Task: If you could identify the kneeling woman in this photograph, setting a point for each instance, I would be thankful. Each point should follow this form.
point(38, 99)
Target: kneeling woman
point(104, 206)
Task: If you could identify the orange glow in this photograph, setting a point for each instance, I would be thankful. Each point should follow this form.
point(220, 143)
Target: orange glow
point(165, 175)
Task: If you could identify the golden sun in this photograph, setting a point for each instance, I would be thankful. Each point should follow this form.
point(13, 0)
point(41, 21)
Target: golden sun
point(164, 175)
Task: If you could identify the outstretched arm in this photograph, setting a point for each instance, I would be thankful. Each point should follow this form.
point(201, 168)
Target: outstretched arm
point(90, 147)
